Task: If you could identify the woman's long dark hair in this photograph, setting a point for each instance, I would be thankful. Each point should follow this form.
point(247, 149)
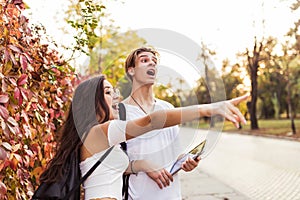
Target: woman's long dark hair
point(88, 108)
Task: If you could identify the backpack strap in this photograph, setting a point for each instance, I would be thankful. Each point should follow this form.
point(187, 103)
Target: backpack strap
point(88, 173)
point(122, 116)
point(122, 111)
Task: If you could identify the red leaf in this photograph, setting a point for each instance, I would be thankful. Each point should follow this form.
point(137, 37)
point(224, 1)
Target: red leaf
point(22, 80)
point(28, 57)
point(4, 85)
point(4, 98)
point(7, 146)
point(24, 93)
point(52, 126)
point(14, 48)
point(18, 131)
point(3, 189)
point(17, 116)
point(5, 128)
point(27, 131)
point(18, 157)
point(12, 121)
point(13, 81)
point(11, 129)
point(35, 148)
point(23, 61)
point(29, 152)
point(33, 106)
point(18, 96)
point(20, 100)
point(6, 56)
point(3, 154)
point(4, 112)
point(12, 57)
point(17, 93)
point(25, 116)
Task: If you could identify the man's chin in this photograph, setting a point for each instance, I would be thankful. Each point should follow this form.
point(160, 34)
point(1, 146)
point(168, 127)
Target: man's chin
point(150, 82)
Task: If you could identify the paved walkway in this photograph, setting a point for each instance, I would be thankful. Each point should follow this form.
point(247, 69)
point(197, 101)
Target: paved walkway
point(245, 167)
point(198, 185)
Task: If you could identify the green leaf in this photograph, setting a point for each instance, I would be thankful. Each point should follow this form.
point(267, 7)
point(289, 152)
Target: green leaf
point(7, 68)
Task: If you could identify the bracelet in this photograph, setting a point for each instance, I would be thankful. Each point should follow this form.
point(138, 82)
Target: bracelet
point(131, 167)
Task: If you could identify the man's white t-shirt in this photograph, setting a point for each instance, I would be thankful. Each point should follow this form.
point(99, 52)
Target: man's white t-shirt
point(160, 147)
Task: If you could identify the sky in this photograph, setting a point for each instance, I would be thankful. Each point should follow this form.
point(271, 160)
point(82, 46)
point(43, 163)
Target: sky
point(227, 27)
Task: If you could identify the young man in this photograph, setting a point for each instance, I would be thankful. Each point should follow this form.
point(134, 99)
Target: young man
point(162, 150)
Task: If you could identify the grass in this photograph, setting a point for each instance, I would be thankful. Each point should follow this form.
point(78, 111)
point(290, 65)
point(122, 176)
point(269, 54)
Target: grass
point(271, 127)
point(281, 127)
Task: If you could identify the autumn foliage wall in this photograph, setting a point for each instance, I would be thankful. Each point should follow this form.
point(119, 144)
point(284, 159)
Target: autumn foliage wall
point(36, 87)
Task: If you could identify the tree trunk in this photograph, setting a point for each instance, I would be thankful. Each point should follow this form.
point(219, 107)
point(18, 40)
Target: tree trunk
point(287, 111)
point(253, 64)
point(253, 118)
point(290, 107)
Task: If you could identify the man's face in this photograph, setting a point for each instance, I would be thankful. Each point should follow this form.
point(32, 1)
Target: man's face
point(145, 68)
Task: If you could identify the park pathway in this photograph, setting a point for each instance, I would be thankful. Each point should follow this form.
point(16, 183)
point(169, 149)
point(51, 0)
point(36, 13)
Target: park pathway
point(246, 167)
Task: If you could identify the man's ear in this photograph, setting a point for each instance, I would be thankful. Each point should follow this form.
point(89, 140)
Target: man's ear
point(131, 71)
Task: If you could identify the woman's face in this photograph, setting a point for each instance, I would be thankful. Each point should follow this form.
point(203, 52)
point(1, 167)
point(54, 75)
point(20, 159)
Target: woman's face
point(112, 99)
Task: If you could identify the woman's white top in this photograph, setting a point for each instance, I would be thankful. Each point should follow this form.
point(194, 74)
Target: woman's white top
point(106, 180)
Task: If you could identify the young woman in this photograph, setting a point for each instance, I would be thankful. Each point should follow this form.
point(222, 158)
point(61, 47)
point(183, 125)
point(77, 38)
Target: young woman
point(90, 128)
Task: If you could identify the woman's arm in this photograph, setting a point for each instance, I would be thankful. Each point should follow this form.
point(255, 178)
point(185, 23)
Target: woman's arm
point(166, 118)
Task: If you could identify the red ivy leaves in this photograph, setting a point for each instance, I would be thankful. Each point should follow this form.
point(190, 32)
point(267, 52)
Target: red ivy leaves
point(4, 112)
point(24, 63)
point(36, 88)
point(4, 98)
point(22, 80)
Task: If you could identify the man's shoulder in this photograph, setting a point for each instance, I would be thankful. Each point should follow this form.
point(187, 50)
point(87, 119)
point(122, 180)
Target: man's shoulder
point(158, 102)
point(163, 103)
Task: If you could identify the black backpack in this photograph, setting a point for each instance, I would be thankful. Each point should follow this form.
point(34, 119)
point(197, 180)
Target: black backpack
point(69, 187)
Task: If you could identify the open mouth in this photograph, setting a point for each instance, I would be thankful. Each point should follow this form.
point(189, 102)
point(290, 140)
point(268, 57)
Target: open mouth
point(151, 72)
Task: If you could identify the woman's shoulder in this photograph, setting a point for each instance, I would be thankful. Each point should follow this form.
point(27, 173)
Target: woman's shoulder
point(97, 135)
point(99, 128)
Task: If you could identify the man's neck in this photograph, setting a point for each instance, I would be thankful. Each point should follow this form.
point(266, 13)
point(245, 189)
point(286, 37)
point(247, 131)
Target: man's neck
point(144, 95)
point(143, 98)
